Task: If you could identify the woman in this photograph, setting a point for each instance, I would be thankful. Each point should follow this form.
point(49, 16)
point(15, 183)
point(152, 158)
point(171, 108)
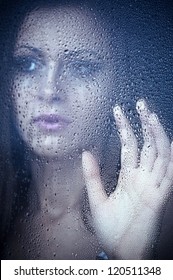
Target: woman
point(61, 89)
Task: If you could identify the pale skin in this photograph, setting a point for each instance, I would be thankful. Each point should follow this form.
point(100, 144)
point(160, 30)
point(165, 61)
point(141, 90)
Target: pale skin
point(127, 222)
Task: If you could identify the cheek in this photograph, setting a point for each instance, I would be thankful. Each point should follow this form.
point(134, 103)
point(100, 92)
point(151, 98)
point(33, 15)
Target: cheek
point(92, 99)
point(23, 92)
point(26, 87)
point(23, 107)
point(91, 111)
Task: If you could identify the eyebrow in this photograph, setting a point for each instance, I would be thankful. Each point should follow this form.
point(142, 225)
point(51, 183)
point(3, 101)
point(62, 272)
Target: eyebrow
point(66, 52)
point(83, 52)
point(33, 49)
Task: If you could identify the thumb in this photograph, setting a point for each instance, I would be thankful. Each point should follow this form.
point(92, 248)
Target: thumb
point(92, 178)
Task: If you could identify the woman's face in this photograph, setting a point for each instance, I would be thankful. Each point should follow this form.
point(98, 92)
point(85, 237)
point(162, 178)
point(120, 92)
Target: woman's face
point(63, 78)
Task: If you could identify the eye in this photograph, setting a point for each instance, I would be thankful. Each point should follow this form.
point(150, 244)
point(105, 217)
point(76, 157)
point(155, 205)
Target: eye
point(26, 64)
point(84, 69)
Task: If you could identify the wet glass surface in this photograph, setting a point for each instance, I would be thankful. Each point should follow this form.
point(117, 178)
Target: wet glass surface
point(66, 147)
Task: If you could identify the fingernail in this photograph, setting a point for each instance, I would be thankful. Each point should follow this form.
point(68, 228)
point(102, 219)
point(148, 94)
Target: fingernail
point(140, 104)
point(117, 115)
point(117, 110)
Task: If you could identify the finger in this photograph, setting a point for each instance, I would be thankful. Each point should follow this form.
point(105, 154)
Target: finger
point(149, 151)
point(129, 147)
point(163, 148)
point(92, 178)
point(167, 182)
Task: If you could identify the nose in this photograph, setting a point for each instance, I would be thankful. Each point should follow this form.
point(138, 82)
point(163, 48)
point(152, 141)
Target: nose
point(51, 87)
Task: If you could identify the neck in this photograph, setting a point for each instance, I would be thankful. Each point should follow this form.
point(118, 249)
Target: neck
point(57, 184)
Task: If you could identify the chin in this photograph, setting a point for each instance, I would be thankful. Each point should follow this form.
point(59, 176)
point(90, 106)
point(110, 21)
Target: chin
point(55, 152)
point(57, 147)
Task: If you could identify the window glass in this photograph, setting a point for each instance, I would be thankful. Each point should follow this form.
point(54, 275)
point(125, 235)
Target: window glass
point(86, 160)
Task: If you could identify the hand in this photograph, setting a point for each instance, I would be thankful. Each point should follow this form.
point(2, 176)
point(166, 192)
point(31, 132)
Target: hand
point(127, 222)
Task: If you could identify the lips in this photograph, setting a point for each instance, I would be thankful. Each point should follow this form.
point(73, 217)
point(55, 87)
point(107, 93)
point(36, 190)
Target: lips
point(51, 122)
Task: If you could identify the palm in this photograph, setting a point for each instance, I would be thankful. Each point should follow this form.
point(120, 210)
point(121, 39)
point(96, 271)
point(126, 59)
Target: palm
point(127, 221)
